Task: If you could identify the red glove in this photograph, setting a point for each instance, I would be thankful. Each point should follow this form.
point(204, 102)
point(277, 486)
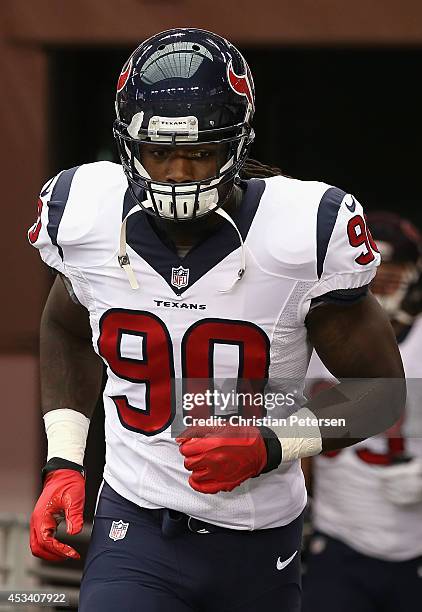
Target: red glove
point(63, 496)
point(223, 457)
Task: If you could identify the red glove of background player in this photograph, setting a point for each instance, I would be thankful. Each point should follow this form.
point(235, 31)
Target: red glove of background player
point(221, 458)
point(63, 496)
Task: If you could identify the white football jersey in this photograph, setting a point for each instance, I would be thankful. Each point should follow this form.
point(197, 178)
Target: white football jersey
point(187, 320)
point(348, 502)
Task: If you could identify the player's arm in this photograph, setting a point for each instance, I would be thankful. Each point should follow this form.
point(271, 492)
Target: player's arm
point(401, 484)
point(357, 345)
point(71, 376)
point(71, 371)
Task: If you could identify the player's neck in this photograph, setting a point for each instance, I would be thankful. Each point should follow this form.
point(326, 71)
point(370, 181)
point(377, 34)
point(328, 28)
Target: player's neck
point(184, 236)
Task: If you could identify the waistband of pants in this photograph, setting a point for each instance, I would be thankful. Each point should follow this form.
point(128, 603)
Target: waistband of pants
point(173, 522)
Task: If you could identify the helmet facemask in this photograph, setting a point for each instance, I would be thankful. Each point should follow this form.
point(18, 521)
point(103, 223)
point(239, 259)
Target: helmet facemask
point(189, 200)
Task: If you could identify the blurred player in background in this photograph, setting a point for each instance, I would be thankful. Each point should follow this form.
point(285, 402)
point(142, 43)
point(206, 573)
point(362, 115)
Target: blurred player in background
point(181, 270)
point(366, 552)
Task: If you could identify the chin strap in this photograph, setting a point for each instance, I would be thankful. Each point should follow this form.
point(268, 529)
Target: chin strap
point(123, 257)
point(124, 260)
point(242, 270)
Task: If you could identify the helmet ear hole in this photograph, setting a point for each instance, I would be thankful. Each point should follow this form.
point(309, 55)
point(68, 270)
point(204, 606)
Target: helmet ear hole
point(400, 245)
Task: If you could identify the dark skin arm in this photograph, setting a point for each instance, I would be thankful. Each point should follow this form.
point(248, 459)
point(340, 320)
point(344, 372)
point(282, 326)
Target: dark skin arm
point(71, 372)
point(357, 341)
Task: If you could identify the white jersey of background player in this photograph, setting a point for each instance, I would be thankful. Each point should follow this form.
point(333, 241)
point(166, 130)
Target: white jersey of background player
point(370, 495)
point(205, 320)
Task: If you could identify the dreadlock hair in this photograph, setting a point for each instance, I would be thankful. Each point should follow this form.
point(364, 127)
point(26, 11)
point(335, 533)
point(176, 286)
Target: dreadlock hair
point(255, 169)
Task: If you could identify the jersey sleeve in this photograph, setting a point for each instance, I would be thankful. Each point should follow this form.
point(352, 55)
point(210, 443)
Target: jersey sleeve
point(43, 235)
point(79, 216)
point(346, 254)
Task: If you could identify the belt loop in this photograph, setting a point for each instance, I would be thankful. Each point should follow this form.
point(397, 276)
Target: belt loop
point(173, 523)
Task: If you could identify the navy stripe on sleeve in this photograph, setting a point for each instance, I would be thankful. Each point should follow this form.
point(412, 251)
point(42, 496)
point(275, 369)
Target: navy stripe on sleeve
point(342, 296)
point(57, 204)
point(326, 220)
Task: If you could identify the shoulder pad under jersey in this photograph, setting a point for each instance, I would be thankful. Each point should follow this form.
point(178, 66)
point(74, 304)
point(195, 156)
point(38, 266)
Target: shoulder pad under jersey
point(79, 216)
point(312, 231)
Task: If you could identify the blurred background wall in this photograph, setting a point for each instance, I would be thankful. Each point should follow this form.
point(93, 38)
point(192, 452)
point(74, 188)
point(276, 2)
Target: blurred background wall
point(338, 99)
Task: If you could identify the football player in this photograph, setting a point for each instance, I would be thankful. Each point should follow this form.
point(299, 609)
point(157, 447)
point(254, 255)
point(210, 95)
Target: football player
point(182, 270)
point(366, 552)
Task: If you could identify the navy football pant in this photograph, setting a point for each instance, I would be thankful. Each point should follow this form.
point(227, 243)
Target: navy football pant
point(162, 566)
point(340, 579)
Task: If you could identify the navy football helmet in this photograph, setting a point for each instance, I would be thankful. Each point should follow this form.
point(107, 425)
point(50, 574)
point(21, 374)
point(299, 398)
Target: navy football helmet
point(184, 87)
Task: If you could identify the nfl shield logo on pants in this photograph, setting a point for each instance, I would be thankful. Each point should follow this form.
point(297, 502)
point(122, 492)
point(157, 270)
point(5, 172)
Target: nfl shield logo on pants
point(118, 530)
point(180, 277)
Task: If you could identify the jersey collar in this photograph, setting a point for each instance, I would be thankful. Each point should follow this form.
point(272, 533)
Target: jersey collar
point(144, 240)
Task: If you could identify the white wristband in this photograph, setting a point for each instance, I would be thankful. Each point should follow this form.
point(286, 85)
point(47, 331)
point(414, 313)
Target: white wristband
point(301, 437)
point(66, 431)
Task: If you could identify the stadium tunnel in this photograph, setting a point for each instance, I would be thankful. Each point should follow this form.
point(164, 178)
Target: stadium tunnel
point(338, 99)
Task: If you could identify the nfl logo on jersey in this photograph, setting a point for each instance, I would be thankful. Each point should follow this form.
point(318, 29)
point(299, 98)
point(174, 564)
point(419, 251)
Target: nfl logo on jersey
point(180, 277)
point(118, 530)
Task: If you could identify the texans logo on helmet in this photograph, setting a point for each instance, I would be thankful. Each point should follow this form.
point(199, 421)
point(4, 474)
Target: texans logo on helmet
point(124, 75)
point(240, 84)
